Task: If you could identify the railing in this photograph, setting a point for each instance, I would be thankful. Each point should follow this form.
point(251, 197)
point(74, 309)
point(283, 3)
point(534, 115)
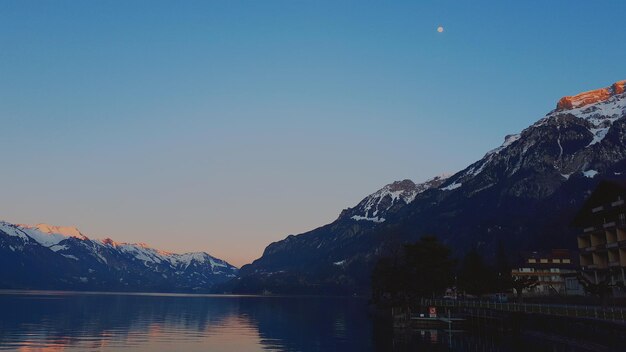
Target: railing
point(609, 224)
point(593, 312)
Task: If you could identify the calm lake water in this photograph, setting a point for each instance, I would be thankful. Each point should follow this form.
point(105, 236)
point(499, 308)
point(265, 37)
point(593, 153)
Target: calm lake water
point(62, 321)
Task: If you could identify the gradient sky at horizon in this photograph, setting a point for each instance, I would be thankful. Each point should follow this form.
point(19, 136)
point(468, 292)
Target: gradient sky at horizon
point(222, 126)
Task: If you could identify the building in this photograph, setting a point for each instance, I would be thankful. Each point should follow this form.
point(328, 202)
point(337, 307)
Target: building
point(602, 239)
point(554, 272)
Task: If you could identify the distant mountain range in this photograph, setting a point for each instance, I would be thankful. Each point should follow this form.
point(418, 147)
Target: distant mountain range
point(52, 257)
point(521, 195)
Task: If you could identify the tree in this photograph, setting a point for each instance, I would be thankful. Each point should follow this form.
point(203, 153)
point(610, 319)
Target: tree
point(602, 289)
point(428, 267)
point(502, 269)
point(519, 284)
point(387, 280)
point(423, 269)
point(475, 277)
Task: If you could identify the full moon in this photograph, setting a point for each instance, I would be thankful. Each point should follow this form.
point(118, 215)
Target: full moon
point(440, 29)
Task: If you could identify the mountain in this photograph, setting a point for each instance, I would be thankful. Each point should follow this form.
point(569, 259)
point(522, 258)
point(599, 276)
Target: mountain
point(387, 200)
point(53, 257)
point(521, 196)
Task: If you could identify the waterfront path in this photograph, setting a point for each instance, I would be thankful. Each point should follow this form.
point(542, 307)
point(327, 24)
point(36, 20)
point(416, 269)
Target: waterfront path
point(615, 314)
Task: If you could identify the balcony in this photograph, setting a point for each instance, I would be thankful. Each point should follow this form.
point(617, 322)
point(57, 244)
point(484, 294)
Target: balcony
point(589, 229)
point(609, 224)
point(617, 203)
point(601, 248)
point(597, 209)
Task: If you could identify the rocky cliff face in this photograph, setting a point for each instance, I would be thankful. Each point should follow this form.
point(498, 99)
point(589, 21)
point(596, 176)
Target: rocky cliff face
point(521, 195)
point(591, 97)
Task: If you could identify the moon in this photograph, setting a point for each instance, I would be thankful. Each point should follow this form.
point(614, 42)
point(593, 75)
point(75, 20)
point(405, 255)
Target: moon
point(440, 29)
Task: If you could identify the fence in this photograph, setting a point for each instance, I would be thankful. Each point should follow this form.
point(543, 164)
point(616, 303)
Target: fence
point(593, 312)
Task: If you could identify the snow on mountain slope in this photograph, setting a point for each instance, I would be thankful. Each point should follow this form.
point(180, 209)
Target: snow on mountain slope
point(50, 236)
point(601, 107)
point(150, 256)
point(13, 230)
point(562, 141)
point(375, 207)
point(132, 264)
point(522, 193)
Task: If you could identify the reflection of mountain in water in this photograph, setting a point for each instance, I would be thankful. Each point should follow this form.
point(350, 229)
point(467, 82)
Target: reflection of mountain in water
point(111, 322)
point(153, 323)
point(104, 320)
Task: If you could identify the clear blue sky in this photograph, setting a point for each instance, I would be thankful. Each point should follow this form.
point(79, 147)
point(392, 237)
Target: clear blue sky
point(225, 125)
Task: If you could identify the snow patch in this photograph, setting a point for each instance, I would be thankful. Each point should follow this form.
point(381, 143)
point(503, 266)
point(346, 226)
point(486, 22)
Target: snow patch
point(598, 135)
point(452, 186)
point(590, 173)
point(374, 219)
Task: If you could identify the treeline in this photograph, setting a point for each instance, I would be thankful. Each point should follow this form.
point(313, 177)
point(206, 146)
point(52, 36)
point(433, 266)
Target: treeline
point(427, 269)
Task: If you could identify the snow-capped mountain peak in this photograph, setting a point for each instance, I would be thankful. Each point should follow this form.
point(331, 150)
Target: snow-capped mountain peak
point(376, 206)
point(139, 261)
point(600, 107)
point(13, 230)
point(561, 144)
point(66, 231)
point(523, 193)
point(50, 236)
point(149, 256)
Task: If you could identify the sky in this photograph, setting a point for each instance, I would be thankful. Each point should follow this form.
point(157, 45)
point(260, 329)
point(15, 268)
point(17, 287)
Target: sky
point(223, 126)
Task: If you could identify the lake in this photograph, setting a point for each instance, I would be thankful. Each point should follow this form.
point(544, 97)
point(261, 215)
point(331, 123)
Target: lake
point(66, 321)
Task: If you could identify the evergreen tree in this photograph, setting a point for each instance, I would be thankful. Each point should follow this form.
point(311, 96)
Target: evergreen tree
point(475, 277)
point(424, 269)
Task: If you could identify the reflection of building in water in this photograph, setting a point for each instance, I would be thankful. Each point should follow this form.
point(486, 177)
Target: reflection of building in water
point(555, 272)
point(602, 241)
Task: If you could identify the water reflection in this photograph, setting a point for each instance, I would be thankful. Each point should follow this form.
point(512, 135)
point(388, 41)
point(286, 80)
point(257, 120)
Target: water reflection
point(47, 321)
point(67, 321)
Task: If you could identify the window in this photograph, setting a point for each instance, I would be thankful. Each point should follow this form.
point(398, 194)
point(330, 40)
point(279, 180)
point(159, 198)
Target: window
point(543, 261)
point(532, 260)
point(556, 260)
point(566, 261)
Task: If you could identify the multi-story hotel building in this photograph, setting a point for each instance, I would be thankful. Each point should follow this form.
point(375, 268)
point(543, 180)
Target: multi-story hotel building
point(602, 241)
point(553, 272)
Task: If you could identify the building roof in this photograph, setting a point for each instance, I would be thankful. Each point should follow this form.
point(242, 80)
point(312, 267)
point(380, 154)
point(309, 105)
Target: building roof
point(549, 255)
